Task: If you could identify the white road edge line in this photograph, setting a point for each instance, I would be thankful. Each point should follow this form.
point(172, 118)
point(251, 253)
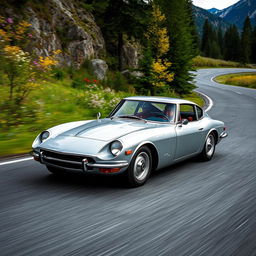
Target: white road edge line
point(209, 99)
point(238, 92)
point(16, 161)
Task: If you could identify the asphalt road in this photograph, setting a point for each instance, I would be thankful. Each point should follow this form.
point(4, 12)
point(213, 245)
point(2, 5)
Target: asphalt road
point(192, 208)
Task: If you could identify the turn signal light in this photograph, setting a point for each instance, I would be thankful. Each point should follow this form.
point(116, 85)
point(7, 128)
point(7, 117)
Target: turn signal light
point(107, 170)
point(36, 158)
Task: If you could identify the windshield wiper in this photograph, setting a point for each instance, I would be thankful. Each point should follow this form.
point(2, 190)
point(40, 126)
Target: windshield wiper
point(129, 116)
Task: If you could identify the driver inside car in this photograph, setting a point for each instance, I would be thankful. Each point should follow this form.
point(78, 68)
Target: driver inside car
point(169, 111)
point(152, 113)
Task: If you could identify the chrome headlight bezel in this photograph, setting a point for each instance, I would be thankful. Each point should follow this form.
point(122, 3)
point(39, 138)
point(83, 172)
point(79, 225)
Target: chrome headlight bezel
point(115, 147)
point(44, 136)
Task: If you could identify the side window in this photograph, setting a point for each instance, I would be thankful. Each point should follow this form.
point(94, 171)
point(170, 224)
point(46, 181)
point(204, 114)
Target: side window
point(199, 112)
point(187, 111)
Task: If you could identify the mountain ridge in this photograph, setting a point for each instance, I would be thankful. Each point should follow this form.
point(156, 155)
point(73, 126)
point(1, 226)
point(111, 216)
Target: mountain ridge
point(201, 15)
point(236, 13)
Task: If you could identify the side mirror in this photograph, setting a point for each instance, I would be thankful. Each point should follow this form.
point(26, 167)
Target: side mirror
point(183, 122)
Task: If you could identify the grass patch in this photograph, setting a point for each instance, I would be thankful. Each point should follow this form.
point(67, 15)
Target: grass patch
point(204, 62)
point(195, 98)
point(239, 79)
point(56, 102)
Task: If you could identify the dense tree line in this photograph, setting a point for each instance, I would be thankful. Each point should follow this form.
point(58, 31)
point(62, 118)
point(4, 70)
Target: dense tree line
point(121, 20)
point(230, 45)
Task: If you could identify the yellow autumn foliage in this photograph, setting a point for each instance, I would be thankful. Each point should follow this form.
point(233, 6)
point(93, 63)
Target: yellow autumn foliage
point(158, 35)
point(19, 70)
point(4, 36)
point(12, 49)
point(47, 62)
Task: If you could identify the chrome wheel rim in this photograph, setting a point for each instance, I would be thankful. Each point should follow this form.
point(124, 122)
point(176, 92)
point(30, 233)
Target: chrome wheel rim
point(141, 166)
point(210, 145)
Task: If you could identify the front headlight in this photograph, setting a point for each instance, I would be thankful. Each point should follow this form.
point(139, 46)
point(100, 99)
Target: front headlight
point(43, 136)
point(116, 147)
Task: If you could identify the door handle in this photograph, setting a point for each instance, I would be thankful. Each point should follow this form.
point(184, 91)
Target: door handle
point(200, 129)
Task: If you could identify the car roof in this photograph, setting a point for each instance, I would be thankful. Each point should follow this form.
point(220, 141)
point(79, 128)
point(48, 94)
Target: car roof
point(160, 99)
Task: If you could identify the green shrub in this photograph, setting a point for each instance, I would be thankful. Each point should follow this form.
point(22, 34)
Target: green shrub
point(77, 83)
point(58, 74)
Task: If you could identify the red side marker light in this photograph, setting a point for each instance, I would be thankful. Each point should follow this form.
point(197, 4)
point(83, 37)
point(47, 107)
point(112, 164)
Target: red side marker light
point(108, 170)
point(128, 152)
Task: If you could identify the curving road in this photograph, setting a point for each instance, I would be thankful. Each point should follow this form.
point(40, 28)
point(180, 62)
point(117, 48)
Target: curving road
point(192, 208)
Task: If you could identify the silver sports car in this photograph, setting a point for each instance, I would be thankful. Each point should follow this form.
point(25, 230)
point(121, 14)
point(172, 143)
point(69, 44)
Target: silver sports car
point(140, 135)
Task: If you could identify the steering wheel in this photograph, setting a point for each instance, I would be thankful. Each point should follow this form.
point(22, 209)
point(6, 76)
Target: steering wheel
point(161, 115)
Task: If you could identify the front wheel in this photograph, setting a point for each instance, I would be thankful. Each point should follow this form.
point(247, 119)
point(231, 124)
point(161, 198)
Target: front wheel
point(209, 148)
point(140, 167)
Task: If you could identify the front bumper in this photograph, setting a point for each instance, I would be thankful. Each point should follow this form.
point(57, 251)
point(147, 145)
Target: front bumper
point(78, 163)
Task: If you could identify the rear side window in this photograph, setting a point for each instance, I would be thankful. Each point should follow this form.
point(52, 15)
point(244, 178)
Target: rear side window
point(187, 111)
point(199, 112)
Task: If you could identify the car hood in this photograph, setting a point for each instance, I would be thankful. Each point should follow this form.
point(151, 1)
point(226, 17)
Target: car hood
point(107, 129)
point(92, 137)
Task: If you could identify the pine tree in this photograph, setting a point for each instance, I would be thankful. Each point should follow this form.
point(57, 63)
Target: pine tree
point(253, 50)
point(210, 42)
point(119, 18)
point(221, 42)
point(246, 41)
point(192, 26)
point(155, 65)
point(182, 48)
point(205, 45)
point(232, 45)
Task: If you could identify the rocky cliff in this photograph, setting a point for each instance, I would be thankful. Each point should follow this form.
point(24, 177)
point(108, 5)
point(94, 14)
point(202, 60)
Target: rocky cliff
point(60, 24)
point(65, 25)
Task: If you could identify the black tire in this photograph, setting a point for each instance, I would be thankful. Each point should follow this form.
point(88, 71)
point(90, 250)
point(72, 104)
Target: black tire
point(54, 170)
point(142, 159)
point(209, 148)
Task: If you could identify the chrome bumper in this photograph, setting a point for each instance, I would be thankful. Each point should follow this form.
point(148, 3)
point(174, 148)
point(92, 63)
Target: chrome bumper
point(83, 165)
point(223, 135)
point(117, 164)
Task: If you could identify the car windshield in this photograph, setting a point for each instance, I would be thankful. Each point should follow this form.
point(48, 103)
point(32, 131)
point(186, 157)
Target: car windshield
point(152, 111)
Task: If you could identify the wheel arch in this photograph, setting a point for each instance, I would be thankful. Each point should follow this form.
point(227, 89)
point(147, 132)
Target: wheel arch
point(153, 150)
point(215, 134)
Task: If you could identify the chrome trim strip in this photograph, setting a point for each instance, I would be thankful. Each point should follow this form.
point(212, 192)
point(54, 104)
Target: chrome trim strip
point(66, 153)
point(106, 165)
point(41, 157)
point(33, 153)
point(223, 135)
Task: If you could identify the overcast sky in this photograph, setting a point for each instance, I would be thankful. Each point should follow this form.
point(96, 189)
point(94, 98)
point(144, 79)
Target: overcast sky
point(219, 4)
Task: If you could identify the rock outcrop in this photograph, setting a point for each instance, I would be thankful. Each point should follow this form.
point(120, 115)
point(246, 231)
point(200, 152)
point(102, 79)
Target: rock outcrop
point(131, 54)
point(70, 27)
point(100, 68)
point(60, 24)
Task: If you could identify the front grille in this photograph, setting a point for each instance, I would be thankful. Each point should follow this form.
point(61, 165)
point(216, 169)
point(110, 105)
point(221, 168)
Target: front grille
point(63, 160)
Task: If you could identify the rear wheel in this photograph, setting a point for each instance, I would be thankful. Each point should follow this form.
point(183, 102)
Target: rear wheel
point(140, 167)
point(209, 148)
